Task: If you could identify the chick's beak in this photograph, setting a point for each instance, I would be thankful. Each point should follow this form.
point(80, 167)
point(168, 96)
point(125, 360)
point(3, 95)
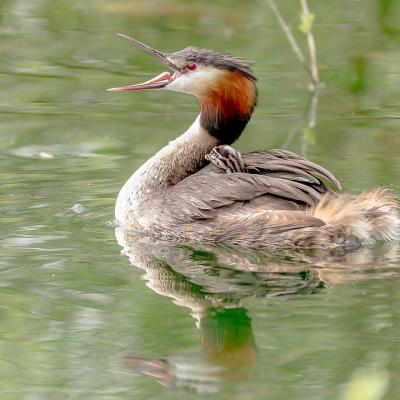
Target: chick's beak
point(157, 82)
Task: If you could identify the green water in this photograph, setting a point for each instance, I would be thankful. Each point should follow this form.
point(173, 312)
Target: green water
point(80, 320)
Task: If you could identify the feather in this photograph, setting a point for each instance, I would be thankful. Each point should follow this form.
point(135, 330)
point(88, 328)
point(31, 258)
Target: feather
point(278, 173)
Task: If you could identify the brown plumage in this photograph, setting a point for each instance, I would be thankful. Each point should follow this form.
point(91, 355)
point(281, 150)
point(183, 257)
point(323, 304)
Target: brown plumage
point(227, 107)
point(278, 199)
point(285, 204)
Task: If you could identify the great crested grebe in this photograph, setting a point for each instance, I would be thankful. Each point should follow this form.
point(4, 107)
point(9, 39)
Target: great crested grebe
point(198, 188)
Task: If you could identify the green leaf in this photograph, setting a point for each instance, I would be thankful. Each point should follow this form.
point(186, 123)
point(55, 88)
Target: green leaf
point(306, 22)
point(309, 136)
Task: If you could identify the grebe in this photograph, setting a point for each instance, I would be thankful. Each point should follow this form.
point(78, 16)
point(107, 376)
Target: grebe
point(198, 188)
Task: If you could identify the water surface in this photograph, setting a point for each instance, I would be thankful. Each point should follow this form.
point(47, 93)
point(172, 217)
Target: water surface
point(80, 320)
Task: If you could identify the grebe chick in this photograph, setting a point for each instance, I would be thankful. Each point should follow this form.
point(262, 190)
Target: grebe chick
point(263, 198)
point(227, 158)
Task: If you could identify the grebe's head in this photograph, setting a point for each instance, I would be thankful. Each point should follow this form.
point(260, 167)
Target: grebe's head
point(225, 85)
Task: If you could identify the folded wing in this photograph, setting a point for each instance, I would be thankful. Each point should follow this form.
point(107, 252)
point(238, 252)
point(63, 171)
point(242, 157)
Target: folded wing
point(281, 180)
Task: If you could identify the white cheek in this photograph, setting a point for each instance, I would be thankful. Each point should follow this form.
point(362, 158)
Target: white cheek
point(181, 84)
point(195, 83)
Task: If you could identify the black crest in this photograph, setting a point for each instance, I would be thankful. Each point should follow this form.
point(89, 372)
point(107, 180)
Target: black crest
point(215, 59)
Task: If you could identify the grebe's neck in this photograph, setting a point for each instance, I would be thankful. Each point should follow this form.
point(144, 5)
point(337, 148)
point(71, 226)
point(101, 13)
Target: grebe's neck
point(180, 158)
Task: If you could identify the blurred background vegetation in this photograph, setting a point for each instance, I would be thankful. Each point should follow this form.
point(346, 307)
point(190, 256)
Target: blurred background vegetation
point(70, 303)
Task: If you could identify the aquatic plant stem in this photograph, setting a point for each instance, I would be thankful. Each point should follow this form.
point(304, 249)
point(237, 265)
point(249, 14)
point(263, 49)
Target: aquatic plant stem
point(311, 47)
point(311, 66)
point(292, 41)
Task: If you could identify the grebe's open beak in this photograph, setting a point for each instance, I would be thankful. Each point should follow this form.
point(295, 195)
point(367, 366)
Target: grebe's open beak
point(157, 82)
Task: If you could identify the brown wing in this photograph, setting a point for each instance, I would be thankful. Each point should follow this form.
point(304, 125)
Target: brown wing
point(281, 177)
point(289, 165)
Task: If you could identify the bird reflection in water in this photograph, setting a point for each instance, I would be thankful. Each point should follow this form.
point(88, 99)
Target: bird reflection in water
point(213, 280)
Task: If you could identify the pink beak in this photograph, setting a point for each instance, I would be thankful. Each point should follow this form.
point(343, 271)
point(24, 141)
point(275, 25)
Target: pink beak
point(157, 82)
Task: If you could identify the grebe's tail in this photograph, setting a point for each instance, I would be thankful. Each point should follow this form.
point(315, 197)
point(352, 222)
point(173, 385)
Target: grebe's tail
point(368, 217)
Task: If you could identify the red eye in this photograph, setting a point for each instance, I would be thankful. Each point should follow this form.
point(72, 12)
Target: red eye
point(191, 66)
